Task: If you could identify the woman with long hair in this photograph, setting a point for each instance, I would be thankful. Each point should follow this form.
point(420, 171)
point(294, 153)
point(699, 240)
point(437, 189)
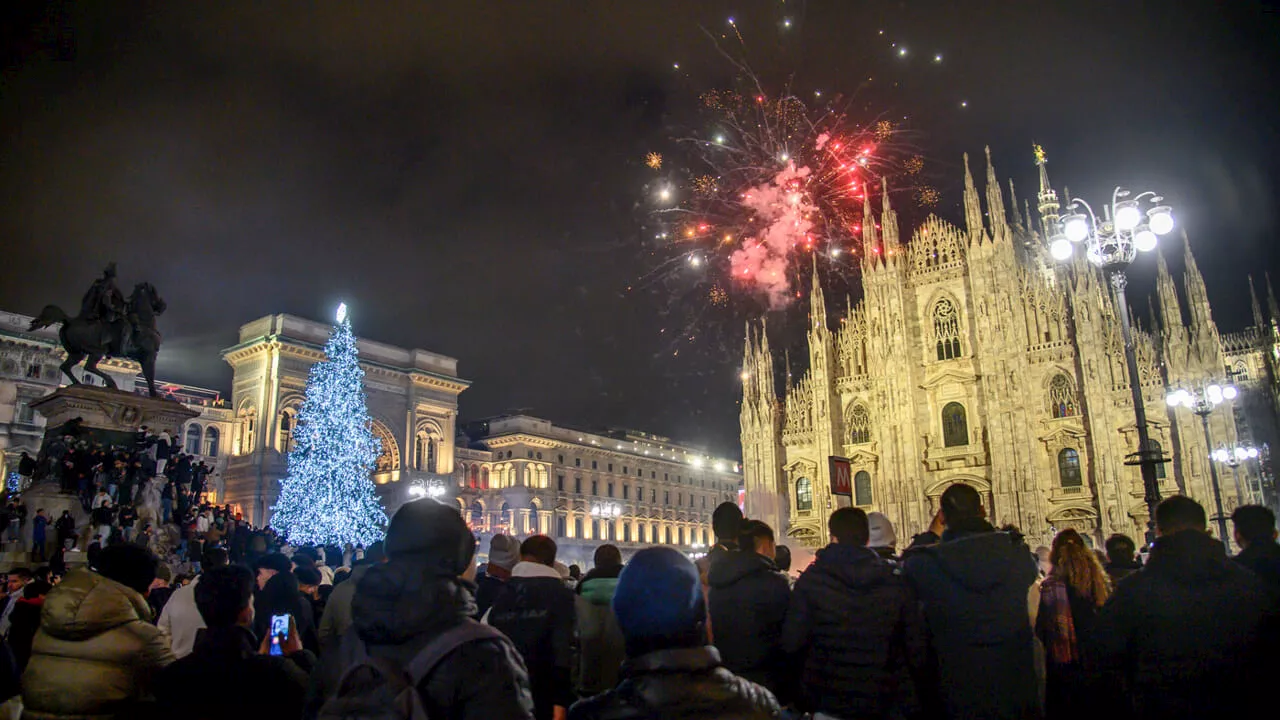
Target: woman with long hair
point(1069, 600)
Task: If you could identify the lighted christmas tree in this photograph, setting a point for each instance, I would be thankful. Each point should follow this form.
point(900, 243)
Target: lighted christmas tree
point(328, 495)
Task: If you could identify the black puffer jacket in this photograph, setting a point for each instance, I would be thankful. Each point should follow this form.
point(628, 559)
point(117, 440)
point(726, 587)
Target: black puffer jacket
point(974, 587)
point(681, 684)
point(1264, 560)
point(748, 604)
point(399, 608)
point(1192, 633)
point(537, 612)
point(858, 628)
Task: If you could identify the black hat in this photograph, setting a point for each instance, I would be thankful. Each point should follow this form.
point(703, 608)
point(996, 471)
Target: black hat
point(430, 533)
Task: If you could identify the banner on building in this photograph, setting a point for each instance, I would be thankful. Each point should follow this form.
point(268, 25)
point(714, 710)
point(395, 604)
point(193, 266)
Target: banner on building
point(841, 478)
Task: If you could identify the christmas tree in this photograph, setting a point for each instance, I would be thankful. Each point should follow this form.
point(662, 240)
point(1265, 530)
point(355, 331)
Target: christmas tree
point(328, 495)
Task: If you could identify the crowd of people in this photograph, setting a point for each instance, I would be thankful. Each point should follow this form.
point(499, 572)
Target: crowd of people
point(965, 622)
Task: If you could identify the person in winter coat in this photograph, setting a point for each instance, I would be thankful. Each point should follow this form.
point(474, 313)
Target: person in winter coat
point(536, 611)
point(600, 644)
point(96, 653)
point(883, 540)
point(726, 520)
point(230, 659)
point(24, 621)
point(337, 609)
point(856, 629)
point(281, 596)
point(975, 586)
point(1069, 601)
point(1121, 560)
point(1255, 535)
point(181, 619)
point(504, 553)
point(1193, 634)
point(671, 672)
point(748, 605)
point(422, 591)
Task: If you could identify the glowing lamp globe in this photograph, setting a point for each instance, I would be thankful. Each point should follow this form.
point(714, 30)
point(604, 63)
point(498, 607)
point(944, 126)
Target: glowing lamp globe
point(1220, 455)
point(1252, 452)
point(1174, 399)
point(1229, 392)
point(1128, 215)
point(1160, 219)
point(1214, 393)
point(1060, 248)
point(1076, 228)
point(1145, 240)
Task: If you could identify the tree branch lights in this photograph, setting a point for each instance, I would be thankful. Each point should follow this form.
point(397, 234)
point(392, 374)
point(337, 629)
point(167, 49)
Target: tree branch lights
point(328, 495)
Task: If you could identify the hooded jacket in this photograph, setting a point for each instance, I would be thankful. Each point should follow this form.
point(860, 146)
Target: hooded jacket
point(1193, 634)
point(974, 587)
point(96, 652)
point(748, 604)
point(679, 684)
point(336, 618)
point(601, 648)
point(537, 612)
point(399, 607)
point(858, 629)
point(1264, 560)
point(227, 658)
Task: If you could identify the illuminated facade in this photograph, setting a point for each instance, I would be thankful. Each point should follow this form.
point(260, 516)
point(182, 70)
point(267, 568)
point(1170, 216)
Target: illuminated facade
point(973, 358)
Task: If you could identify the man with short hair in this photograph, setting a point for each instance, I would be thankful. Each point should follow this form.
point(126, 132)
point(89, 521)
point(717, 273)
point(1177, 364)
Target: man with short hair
point(39, 535)
point(504, 553)
point(1193, 634)
point(671, 670)
point(1255, 534)
point(974, 583)
point(725, 521)
point(748, 605)
point(228, 658)
point(601, 650)
point(181, 619)
point(269, 565)
point(854, 625)
point(537, 612)
point(18, 579)
point(1121, 557)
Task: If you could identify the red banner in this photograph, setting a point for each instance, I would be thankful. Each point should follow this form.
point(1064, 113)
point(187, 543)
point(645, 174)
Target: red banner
point(841, 477)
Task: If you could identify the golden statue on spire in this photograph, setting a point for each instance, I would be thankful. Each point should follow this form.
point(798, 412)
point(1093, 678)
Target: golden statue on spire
point(1039, 153)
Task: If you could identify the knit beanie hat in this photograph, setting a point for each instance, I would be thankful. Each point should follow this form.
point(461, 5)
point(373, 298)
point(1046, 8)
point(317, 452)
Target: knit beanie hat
point(658, 595)
point(882, 535)
point(504, 552)
point(432, 534)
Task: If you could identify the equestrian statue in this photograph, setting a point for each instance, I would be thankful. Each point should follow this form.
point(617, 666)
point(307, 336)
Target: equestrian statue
point(109, 326)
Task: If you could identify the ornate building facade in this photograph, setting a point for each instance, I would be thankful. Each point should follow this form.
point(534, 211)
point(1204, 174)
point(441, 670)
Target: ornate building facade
point(973, 358)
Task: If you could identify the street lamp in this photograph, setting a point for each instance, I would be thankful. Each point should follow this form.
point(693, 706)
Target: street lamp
point(419, 489)
point(1233, 458)
point(1112, 245)
point(1202, 401)
point(606, 510)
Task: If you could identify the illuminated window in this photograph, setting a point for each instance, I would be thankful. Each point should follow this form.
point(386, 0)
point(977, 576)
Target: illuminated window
point(1062, 397)
point(1069, 468)
point(804, 494)
point(946, 329)
point(955, 425)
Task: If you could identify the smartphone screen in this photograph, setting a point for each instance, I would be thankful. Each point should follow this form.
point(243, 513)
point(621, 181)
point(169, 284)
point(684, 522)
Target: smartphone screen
point(279, 633)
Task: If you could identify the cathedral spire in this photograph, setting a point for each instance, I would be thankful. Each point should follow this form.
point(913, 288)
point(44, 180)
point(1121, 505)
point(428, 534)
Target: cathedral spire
point(870, 239)
point(1013, 203)
point(1193, 282)
point(1048, 199)
point(1258, 321)
point(888, 223)
point(996, 216)
point(972, 206)
point(1170, 308)
point(818, 304)
point(1026, 209)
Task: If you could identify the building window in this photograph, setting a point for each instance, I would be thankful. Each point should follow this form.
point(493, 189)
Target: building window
point(193, 439)
point(610, 467)
point(595, 487)
point(1069, 468)
point(626, 532)
point(804, 494)
point(625, 470)
point(577, 462)
point(33, 371)
point(666, 477)
point(287, 426)
point(560, 459)
point(704, 502)
point(539, 456)
point(22, 412)
point(1157, 450)
point(653, 496)
point(666, 497)
point(639, 472)
point(211, 438)
point(859, 425)
point(561, 522)
point(1062, 397)
point(626, 492)
point(560, 483)
point(639, 493)
point(955, 425)
point(609, 489)
point(680, 498)
point(530, 456)
point(594, 465)
point(862, 488)
point(946, 329)
point(669, 540)
point(577, 527)
point(653, 474)
point(577, 485)
point(431, 455)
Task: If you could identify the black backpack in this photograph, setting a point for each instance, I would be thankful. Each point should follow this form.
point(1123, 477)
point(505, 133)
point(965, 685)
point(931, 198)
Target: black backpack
point(374, 688)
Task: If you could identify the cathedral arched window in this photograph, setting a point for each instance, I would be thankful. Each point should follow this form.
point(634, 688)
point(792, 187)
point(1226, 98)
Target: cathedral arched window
point(859, 425)
point(1157, 451)
point(1062, 397)
point(1069, 468)
point(862, 488)
point(288, 423)
point(477, 514)
point(193, 439)
point(955, 425)
point(804, 494)
point(211, 438)
point(946, 329)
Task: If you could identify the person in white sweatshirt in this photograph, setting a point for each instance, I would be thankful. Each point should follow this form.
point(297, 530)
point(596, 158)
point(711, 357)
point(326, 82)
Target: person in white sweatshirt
point(181, 619)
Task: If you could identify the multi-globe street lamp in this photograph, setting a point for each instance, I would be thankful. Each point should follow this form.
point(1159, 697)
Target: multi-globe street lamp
point(1112, 244)
point(1201, 401)
point(1233, 458)
point(420, 489)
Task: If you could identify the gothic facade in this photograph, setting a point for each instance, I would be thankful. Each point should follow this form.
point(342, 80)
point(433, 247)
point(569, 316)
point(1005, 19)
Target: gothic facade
point(973, 358)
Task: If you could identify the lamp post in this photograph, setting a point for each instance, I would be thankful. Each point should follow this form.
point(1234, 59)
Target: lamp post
point(419, 489)
point(1233, 458)
point(1202, 401)
point(1112, 245)
point(607, 511)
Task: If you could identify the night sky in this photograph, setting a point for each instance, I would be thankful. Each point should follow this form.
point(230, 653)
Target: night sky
point(469, 176)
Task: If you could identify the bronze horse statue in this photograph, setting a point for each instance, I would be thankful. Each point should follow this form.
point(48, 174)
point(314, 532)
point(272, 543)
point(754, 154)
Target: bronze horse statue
point(134, 336)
